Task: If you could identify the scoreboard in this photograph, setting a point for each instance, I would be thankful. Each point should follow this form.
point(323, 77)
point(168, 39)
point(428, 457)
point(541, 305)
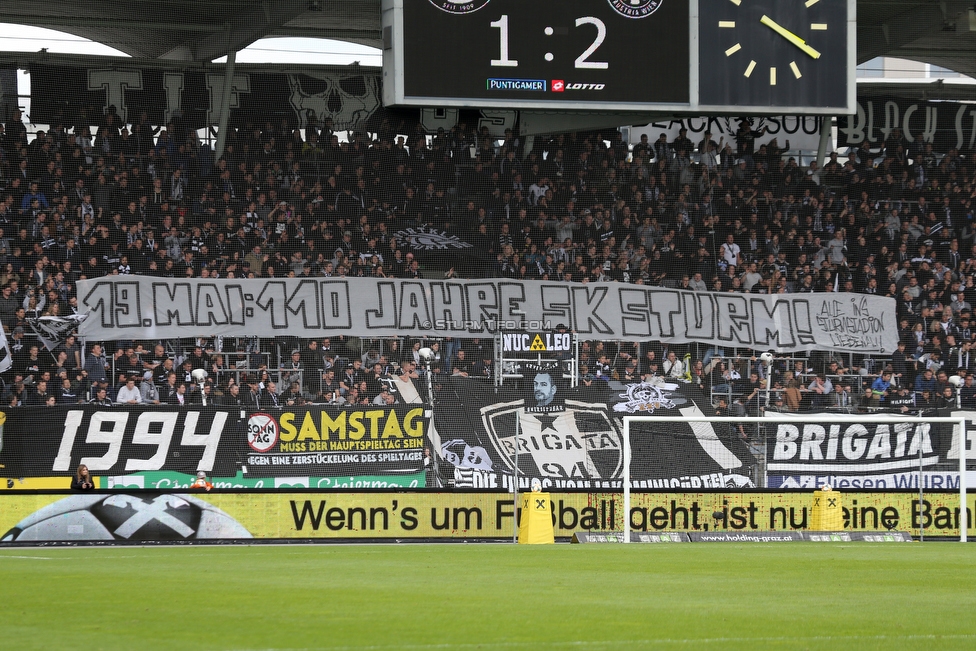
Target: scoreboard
point(750, 56)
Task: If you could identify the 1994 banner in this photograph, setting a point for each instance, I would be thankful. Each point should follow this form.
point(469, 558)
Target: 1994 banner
point(133, 307)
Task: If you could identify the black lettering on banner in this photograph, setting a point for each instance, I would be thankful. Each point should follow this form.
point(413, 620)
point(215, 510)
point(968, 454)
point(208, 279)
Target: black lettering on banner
point(337, 310)
point(314, 517)
point(173, 300)
point(556, 303)
point(482, 303)
point(586, 305)
point(127, 306)
point(414, 311)
point(512, 296)
point(699, 311)
point(776, 323)
point(235, 304)
point(664, 307)
point(305, 301)
point(99, 301)
point(635, 315)
point(272, 299)
point(447, 304)
point(733, 319)
point(384, 316)
point(803, 321)
point(210, 306)
point(186, 308)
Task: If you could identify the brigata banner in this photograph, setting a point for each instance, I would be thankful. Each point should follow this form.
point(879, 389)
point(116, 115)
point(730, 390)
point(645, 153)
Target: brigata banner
point(151, 516)
point(164, 447)
point(572, 438)
point(904, 453)
point(141, 307)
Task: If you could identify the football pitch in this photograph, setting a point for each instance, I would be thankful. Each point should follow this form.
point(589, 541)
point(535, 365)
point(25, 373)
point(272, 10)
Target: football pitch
point(492, 597)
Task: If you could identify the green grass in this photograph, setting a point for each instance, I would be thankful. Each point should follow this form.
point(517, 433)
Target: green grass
point(492, 597)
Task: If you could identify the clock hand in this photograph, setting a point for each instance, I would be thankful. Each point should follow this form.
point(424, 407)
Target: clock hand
point(789, 36)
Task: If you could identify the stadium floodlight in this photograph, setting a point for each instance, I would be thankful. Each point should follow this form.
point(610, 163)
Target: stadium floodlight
point(708, 433)
point(199, 376)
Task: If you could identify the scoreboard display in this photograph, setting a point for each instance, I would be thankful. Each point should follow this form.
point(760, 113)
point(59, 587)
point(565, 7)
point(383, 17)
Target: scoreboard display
point(651, 55)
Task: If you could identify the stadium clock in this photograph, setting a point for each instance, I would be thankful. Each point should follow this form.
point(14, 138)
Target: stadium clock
point(682, 56)
point(782, 53)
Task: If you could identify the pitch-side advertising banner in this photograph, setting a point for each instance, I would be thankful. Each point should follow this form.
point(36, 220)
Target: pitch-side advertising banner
point(140, 307)
point(901, 454)
point(164, 447)
point(184, 517)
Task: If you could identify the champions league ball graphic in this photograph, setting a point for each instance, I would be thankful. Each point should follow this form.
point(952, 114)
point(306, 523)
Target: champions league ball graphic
point(126, 518)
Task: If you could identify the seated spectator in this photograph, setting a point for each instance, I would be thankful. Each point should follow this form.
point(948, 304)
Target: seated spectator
point(129, 393)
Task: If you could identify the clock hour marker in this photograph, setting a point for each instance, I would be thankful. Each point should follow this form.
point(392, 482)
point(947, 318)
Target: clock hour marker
point(549, 56)
point(810, 3)
point(732, 50)
point(736, 2)
point(820, 27)
point(549, 31)
point(748, 72)
point(772, 76)
point(795, 69)
point(726, 23)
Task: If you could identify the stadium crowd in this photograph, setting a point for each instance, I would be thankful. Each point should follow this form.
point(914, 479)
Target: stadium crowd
point(892, 218)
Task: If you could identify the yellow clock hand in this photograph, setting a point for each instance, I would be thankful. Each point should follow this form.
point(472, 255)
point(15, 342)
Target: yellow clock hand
point(789, 36)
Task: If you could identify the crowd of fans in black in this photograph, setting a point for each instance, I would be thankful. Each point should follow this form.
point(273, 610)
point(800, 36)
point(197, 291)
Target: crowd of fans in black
point(892, 218)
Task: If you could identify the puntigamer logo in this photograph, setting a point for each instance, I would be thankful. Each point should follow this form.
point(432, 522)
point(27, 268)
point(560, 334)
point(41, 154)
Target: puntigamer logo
point(635, 8)
point(459, 6)
point(495, 83)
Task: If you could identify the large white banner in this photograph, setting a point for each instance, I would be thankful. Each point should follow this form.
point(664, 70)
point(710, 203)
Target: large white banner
point(139, 307)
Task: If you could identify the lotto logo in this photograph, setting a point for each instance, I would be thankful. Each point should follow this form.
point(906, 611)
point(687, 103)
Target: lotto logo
point(558, 85)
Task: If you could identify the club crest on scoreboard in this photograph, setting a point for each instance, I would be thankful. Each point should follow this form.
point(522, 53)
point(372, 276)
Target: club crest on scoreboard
point(459, 6)
point(635, 8)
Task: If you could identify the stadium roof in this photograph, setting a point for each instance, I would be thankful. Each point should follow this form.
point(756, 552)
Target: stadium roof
point(942, 32)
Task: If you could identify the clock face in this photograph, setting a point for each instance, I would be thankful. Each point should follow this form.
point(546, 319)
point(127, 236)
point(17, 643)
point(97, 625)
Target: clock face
point(784, 53)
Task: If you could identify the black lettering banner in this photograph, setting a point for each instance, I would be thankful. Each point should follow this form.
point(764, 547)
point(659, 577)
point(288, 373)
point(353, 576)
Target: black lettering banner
point(140, 307)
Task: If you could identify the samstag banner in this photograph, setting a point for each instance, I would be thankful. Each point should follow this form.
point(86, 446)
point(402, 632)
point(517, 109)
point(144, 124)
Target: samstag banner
point(572, 438)
point(899, 454)
point(164, 447)
point(140, 307)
